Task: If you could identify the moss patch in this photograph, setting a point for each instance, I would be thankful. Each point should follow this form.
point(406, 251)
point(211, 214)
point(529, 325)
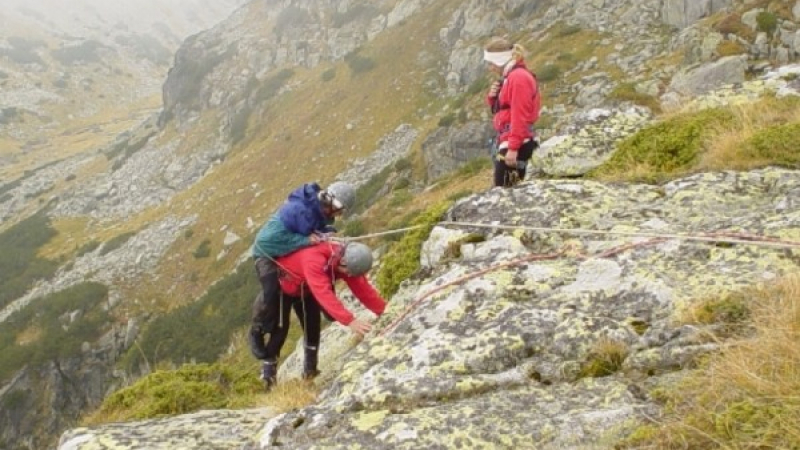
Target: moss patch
point(778, 144)
point(170, 392)
point(402, 259)
point(663, 150)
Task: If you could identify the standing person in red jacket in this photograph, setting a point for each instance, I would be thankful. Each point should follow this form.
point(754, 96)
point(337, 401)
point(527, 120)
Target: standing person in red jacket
point(515, 103)
point(307, 283)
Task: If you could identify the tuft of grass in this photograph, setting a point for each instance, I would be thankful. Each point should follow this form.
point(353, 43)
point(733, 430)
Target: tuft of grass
point(731, 309)
point(767, 22)
point(730, 48)
point(402, 259)
point(604, 359)
point(746, 396)
point(453, 250)
point(761, 134)
point(665, 149)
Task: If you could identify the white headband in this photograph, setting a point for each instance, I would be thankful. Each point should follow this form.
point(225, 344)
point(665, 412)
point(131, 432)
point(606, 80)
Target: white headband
point(498, 58)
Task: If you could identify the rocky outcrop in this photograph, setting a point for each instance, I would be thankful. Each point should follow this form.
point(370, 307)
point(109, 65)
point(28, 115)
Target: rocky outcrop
point(705, 78)
point(682, 13)
point(448, 148)
point(390, 149)
point(212, 430)
point(587, 142)
point(492, 345)
point(480, 353)
point(41, 402)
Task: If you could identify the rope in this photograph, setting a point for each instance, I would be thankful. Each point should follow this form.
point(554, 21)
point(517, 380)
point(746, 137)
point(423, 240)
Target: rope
point(716, 237)
point(738, 238)
point(515, 262)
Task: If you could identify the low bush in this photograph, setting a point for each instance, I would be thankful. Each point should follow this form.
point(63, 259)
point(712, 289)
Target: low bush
point(402, 259)
point(664, 149)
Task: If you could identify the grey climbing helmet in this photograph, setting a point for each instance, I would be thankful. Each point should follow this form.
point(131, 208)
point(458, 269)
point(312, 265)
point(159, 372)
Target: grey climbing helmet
point(344, 193)
point(357, 258)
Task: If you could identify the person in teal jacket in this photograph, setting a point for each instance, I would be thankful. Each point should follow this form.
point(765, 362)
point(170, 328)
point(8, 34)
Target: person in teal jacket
point(306, 216)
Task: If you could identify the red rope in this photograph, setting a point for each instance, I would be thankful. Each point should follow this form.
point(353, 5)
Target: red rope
point(524, 259)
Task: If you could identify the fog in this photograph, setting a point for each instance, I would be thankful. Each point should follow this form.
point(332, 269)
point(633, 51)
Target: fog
point(87, 17)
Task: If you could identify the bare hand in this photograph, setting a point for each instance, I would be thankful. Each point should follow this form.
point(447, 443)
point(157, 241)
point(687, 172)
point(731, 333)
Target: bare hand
point(360, 327)
point(314, 238)
point(494, 89)
point(511, 159)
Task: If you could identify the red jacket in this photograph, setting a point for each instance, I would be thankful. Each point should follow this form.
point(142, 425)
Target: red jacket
point(315, 267)
point(519, 102)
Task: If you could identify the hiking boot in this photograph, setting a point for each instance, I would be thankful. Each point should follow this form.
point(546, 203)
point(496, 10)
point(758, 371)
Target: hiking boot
point(269, 373)
point(256, 340)
point(310, 363)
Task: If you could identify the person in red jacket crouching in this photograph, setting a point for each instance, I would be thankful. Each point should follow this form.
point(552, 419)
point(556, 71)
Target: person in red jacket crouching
point(307, 279)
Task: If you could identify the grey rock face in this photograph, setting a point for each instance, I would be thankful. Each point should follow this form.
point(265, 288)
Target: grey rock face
point(213, 430)
point(450, 147)
point(705, 78)
point(489, 351)
point(588, 141)
point(682, 13)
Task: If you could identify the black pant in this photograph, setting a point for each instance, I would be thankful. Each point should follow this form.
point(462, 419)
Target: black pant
point(271, 313)
point(504, 175)
point(307, 311)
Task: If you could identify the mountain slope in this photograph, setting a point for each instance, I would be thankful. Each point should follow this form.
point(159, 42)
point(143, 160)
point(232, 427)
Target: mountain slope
point(262, 103)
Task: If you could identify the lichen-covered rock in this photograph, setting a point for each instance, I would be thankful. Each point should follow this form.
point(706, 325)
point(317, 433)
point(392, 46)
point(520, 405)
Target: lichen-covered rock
point(495, 348)
point(588, 141)
point(212, 430)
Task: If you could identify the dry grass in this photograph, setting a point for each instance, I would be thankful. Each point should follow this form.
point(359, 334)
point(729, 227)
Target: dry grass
point(724, 150)
point(605, 358)
point(745, 397)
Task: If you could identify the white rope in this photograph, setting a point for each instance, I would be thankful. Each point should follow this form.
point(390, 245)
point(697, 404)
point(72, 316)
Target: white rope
point(758, 241)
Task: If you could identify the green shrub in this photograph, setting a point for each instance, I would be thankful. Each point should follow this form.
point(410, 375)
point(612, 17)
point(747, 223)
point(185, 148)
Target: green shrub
point(203, 250)
point(664, 149)
point(189, 388)
point(116, 242)
point(767, 22)
point(402, 259)
point(402, 183)
point(359, 64)
point(778, 144)
point(328, 75)
point(447, 120)
point(402, 164)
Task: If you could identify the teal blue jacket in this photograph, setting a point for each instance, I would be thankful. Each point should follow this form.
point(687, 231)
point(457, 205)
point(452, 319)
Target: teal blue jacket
point(274, 239)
